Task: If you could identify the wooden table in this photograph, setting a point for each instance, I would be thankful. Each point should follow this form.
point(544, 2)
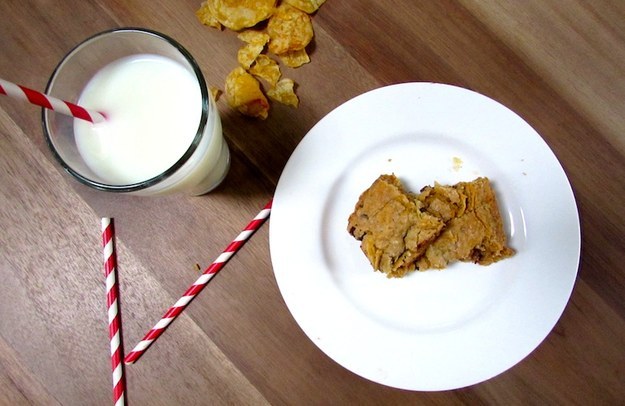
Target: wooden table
point(560, 65)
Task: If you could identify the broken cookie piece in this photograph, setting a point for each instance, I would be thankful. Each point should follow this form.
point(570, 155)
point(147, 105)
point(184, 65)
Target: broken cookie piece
point(393, 231)
point(473, 227)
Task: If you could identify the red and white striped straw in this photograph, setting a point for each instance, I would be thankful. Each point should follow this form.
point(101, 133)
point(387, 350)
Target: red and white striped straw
point(112, 295)
point(199, 284)
point(49, 102)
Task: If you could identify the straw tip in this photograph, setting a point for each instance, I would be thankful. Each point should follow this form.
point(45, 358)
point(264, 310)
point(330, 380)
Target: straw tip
point(132, 357)
point(99, 117)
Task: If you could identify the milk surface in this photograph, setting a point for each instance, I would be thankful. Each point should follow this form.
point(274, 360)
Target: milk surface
point(153, 107)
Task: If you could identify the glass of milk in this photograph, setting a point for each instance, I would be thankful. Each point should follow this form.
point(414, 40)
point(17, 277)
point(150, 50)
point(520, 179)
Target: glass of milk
point(162, 134)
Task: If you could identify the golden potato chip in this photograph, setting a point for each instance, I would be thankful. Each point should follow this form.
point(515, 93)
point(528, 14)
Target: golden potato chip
point(283, 92)
point(256, 41)
point(206, 15)
point(254, 37)
point(248, 53)
point(239, 14)
point(309, 6)
point(244, 94)
point(290, 29)
point(215, 92)
point(266, 68)
point(295, 59)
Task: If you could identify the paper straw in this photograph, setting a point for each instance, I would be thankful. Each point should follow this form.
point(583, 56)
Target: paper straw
point(49, 102)
point(112, 294)
point(199, 284)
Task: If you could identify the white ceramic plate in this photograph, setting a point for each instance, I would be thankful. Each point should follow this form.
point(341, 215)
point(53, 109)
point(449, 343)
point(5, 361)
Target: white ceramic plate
point(432, 330)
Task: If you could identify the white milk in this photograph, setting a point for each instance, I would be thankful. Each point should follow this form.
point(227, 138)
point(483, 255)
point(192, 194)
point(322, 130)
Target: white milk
point(153, 107)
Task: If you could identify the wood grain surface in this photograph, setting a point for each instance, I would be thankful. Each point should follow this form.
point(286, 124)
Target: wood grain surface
point(559, 64)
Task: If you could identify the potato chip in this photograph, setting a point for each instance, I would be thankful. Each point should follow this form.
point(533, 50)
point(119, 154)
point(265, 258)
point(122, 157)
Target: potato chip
point(290, 29)
point(248, 53)
point(239, 14)
point(215, 92)
point(244, 94)
point(266, 68)
point(295, 59)
point(256, 41)
point(254, 37)
point(206, 15)
point(309, 6)
point(283, 92)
